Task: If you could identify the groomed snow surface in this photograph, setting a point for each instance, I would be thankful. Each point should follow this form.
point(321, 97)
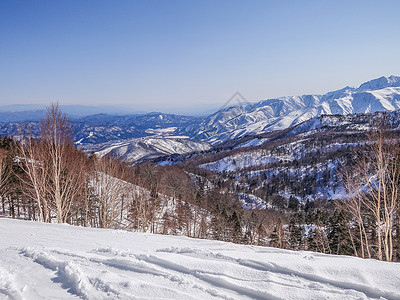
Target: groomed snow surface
point(49, 261)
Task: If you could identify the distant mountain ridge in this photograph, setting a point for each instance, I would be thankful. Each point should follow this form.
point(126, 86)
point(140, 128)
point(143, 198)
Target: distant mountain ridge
point(35, 112)
point(382, 94)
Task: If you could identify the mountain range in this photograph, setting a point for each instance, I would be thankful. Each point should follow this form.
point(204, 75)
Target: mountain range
point(139, 136)
point(382, 94)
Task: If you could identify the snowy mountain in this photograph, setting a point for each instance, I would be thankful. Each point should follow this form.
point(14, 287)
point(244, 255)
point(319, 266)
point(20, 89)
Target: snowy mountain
point(380, 83)
point(382, 94)
point(50, 261)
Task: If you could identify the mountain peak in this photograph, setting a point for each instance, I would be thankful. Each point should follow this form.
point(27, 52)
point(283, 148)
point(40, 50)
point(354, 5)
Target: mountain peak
point(380, 83)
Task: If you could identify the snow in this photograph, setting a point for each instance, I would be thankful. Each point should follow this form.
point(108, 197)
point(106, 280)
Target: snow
point(250, 201)
point(253, 142)
point(134, 150)
point(243, 160)
point(50, 261)
point(161, 131)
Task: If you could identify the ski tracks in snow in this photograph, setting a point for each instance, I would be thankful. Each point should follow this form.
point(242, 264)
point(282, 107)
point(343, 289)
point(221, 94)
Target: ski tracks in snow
point(108, 273)
point(7, 286)
point(177, 273)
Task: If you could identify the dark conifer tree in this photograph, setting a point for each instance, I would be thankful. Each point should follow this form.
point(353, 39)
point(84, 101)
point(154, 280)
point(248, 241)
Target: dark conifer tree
point(338, 234)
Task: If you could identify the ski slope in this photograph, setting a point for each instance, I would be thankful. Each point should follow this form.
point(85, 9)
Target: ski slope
point(50, 261)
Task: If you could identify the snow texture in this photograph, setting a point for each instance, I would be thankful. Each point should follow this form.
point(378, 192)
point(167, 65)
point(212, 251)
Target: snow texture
point(50, 261)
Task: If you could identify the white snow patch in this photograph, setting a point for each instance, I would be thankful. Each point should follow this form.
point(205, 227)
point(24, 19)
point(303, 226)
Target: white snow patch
point(49, 261)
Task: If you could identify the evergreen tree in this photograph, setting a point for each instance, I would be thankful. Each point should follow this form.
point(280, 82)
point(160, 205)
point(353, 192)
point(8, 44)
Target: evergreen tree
point(338, 234)
point(317, 241)
point(235, 228)
point(296, 234)
point(277, 237)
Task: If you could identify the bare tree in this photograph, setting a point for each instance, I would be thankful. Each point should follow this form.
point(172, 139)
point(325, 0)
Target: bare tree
point(354, 205)
point(53, 174)
point(4, 175)
point(110, 189)
point(35, 174)
point(383, 188)
point(64, 161)
point(374, 186)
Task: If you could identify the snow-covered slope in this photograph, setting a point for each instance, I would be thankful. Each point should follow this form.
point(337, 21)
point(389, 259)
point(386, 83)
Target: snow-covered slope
point(244, 160)
point(382, 94)
point(49, 261)
point(136, 150)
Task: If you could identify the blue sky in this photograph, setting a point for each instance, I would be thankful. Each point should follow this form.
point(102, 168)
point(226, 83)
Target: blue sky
point(168, 55)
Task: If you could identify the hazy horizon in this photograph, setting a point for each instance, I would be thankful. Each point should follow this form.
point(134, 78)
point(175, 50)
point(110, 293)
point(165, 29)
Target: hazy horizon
point(196, 109)
point(179, 56)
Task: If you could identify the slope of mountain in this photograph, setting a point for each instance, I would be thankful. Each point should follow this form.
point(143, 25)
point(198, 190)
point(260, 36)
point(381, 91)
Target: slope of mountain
point(147, 148)
point(39, 261)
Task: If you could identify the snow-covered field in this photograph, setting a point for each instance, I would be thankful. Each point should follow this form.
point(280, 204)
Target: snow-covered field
point(49, 261)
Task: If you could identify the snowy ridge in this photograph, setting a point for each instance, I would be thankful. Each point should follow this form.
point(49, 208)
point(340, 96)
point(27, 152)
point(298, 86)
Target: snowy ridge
point(382, 82)
point(139, 149)
point(40, 261)
point(250, 201)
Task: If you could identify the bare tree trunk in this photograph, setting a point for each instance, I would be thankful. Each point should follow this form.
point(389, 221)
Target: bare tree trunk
point(33, 184)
